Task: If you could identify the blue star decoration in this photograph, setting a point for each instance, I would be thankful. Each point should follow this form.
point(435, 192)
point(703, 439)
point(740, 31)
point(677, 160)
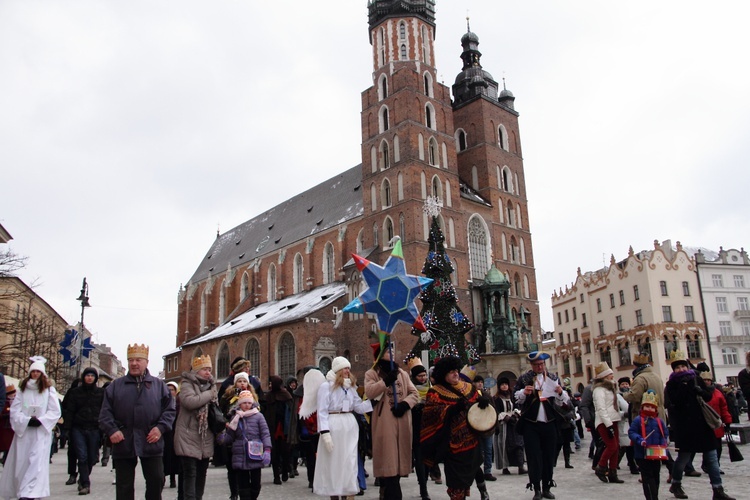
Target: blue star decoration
point(391, 292)
point(69, 347)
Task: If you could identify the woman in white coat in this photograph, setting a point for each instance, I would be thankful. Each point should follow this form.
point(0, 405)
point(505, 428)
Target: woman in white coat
point(607, 413)
point(33, 414)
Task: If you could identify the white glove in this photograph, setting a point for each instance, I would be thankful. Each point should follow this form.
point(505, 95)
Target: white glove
point(327, 441)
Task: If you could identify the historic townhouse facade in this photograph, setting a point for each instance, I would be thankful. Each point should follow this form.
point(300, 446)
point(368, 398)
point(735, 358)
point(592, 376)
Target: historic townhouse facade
point(272, 288)
point(725, 289)
point(649, 302)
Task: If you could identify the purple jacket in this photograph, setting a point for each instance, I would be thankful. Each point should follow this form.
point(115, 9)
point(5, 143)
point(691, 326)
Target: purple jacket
point(252, 428)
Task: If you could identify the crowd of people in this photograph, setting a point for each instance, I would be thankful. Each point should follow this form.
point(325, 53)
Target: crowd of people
point(403, 417)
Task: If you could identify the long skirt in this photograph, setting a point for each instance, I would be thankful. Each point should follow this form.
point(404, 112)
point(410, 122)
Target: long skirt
point(336, 471)
point(500, 449)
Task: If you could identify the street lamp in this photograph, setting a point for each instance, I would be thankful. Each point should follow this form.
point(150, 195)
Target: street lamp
point(84, 298)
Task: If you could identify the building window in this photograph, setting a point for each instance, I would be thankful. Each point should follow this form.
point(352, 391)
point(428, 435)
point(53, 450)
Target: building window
point(739, 281)
point(717, 280)
point(579, 364)
point(745, 326)
point(403, 52)
point(583, 319)
point(685, 289)
point(385, 193)
point(271, 282)
point(729, 356)
point(618, 320)
point(670, 344)
point(666, 312)
point(562, 338)
point(606, 355)
point(636, 293)
point(287, 361)
point(575, 334)
point(328, 265)
point(478, 251)
point(721, 305)
point(601, 327)
point(598, 305)
point(299, 280)
point(611, 300)
point(566, 366)
point(742, 303)
point(587, 347)
point(638, 317)
point(559, 318)
point(622, 298)
point(385, 155)
point(663, 287)
point(581, 298)
point(725, 328)
point(693, 347)
point(575, 315)
point(432, 150)
point(624, 352)
point(567, 319)
point(252, 354)
point(689, 316)
point(388, 232)
point(402, 31)
point(645, 347)
point(461, 140)
point(402, 227)
point(222, 361)
point(244, 286)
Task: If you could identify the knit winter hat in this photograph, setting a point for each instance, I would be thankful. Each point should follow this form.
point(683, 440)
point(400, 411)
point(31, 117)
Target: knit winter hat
point(175, 385)
point(37, 363)
point(92, 371)
point(241, 375)
point(246, 397)
point(339, 363)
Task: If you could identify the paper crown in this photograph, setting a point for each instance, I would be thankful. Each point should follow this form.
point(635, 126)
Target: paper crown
point(413, 361)
point(641, 359)
point(677, 357)
point(707, 376)
point(246, 397)
point(202, 362)
point(138, 351)
point(469, 371)
point(650, 398)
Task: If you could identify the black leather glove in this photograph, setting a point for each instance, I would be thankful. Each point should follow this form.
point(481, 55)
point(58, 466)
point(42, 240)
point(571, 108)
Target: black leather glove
point(34, 422)
point(400, 409)
point(611, 431)
point(391, 377)
point(483, 402)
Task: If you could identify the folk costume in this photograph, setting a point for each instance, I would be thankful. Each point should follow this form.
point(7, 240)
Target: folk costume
point(507, 444)
point(33, 415)
point(336, 465)
point(446, 436)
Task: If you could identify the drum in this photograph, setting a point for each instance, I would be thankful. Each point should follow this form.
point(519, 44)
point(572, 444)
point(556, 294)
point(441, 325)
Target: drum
point(482, 421)
point(656, 452)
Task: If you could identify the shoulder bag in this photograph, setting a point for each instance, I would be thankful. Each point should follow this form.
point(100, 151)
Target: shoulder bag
point(216, 420)
point(709, 414)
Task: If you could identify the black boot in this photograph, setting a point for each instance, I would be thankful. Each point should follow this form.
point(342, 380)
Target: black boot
point(720, 494)
point(613, 476)
point(601, 473)
point(72, 479)
point(677, 491)
point(482, 487)
point(546, 493)
point(423, 492)
point(537, 493)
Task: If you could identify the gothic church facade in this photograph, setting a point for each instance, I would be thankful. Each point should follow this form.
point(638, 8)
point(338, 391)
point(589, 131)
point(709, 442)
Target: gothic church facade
point(272, 289)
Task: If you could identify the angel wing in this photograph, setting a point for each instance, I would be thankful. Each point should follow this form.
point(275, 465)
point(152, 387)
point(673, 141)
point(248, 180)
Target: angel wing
point(311, 383)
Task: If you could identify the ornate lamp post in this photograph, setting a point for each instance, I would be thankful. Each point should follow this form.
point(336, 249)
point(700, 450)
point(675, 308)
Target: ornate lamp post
point(84, 298)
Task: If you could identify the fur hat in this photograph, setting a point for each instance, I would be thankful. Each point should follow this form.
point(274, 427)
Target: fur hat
point(174, 384)
point(641, 359)
point(478, 378)
point(537, 355)
point(650, 398)
point(602, 370)
point(623, 380)
point(677, 358)
point(37, 363)
point(202, 362)
point(240, 364)
point(703, 367)
point(246, 397)
point(445, 366)
point(339, 363)
point(138, 351)
point(503, 380)
point(241, 375)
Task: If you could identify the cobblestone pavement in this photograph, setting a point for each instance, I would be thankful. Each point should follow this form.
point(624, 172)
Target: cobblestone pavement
point(578, 483)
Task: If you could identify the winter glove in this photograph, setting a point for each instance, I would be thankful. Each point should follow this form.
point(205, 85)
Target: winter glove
point(327, 441)
point(400, 409)
point(34, 422)
point(458, 407)
point(391, 377)
point(483, 402)
point(267, 456)
point(611, 431)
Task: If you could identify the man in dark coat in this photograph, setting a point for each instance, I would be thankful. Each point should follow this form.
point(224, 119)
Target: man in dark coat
point(81, 421)
point(743, 379)
point(137, 410)
point(690, 431)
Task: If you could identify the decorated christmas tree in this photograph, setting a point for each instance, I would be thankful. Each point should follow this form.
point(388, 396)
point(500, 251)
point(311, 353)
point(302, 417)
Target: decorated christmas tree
point(445, 322)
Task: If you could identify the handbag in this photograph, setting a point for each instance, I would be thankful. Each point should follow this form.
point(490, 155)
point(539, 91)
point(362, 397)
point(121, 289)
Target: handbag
point(734, 452)
point(709, 414)
point(254, 448)
point(216, 420)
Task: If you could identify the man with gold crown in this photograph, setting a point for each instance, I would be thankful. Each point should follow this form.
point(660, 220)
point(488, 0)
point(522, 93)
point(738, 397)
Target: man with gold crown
point(137, 409)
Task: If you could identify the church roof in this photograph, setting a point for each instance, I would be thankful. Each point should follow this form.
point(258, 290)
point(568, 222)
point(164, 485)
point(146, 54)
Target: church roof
point(329, 204)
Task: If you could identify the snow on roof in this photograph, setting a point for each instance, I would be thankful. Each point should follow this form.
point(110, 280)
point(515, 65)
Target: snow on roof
point(285, 310)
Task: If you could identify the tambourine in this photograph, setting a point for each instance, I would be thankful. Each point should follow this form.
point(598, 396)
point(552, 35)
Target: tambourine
point(482, 421)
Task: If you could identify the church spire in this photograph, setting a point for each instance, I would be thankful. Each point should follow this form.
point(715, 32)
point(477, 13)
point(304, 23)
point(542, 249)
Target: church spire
point(378, 10)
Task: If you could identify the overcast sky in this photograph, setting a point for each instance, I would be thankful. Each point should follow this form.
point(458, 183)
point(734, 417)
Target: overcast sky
point(130, 131)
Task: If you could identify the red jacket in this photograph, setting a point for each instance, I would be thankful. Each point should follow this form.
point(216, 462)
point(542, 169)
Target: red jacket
point(719, 403)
